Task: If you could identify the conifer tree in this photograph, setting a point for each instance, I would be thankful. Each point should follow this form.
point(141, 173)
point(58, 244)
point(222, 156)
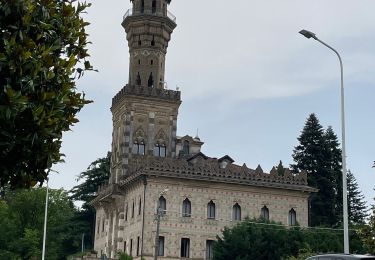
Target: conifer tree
point(367, 233)
point(356, 201)
point(96, 175)
point(311, 156)
point(334, 163)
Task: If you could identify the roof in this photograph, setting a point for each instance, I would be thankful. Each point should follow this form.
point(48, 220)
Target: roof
point(209, 170)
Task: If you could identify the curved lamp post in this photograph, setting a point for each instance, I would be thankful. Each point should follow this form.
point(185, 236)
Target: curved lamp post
point(309, 35)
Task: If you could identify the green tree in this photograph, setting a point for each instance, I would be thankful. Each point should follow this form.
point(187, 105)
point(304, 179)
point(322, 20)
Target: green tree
point(22, 219)
point(96, 175)
point(312, 155)
point(367, 233)
point(357, 210)
point(42, 52)
point(257, 239)
point(7, 228)
point(334, 164)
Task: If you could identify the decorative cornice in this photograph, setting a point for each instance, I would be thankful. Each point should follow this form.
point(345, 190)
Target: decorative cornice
point(202, 170)
point(148, 92)
point(209, 170)
point(106, 193)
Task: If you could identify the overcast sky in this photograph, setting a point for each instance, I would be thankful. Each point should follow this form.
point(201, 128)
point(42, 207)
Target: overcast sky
point(248, 79)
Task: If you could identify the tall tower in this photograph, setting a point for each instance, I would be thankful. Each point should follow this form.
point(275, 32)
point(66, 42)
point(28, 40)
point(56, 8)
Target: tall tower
point(144, 112)
point(148, 26)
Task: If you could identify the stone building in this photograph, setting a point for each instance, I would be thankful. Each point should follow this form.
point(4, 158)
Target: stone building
point(197, 195)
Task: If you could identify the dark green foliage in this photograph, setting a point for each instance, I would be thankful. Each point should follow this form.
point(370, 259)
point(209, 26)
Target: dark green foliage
point(324, 240)
point(21, 225)
point(357, 210)
point(257, 239)
point(319, 154)
point(125, 256)
point(96, 175)
point(42, 51)
point(334, 164)
point(315, 156)
point(367, 233)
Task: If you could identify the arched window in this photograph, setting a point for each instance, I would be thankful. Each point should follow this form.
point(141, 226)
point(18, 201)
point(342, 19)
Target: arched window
point(162, 205)
point(140, 206)
point(98, 226)
point(133, 206)
point(211, 210)
point(153, 6)
point(292, 219)
point(264, 213)
point(150, 82)
point(186, 147)
point(126, 212)
point(186, 208)
point(160, 150)
point(139, 148)
point(138, 80)
point(142, 6)
point(236, 214)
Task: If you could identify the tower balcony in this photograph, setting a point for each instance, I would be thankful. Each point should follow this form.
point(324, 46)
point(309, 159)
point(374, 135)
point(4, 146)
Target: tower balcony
point(130, 12)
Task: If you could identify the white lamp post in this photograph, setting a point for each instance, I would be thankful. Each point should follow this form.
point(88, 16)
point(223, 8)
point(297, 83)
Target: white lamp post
point(45, 224)
point(309, 35)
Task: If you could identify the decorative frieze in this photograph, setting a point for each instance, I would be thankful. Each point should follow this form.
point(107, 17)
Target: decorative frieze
point(210, 170)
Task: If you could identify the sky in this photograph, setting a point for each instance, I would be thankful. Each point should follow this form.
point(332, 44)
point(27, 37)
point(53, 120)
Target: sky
point(248, 80)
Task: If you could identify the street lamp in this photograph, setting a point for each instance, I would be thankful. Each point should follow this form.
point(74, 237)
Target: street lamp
point(45, 224)
point(309, 35)
point(159, 212)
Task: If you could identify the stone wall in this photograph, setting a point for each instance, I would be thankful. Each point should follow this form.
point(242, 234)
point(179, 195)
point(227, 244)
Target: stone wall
point(198, 228)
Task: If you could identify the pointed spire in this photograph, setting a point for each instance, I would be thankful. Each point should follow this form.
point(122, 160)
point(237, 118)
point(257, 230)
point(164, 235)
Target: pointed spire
point(259, 169)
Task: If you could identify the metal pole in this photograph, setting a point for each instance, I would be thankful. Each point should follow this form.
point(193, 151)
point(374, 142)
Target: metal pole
point(343, 155)
point(157, 232)
point(45, 224)
point(83, 242)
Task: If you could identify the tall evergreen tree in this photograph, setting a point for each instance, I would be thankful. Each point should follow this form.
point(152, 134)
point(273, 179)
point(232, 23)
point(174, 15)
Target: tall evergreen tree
point(334, 163)
point(357, 210)
point(96, 174)
point(311, 156)
point(367, 233)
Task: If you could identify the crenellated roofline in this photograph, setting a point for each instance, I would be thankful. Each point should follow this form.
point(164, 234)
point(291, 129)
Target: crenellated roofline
point(205, 169)
point(208, 169)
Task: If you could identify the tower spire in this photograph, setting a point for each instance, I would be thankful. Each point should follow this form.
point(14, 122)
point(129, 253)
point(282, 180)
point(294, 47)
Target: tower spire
point(148, 26)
